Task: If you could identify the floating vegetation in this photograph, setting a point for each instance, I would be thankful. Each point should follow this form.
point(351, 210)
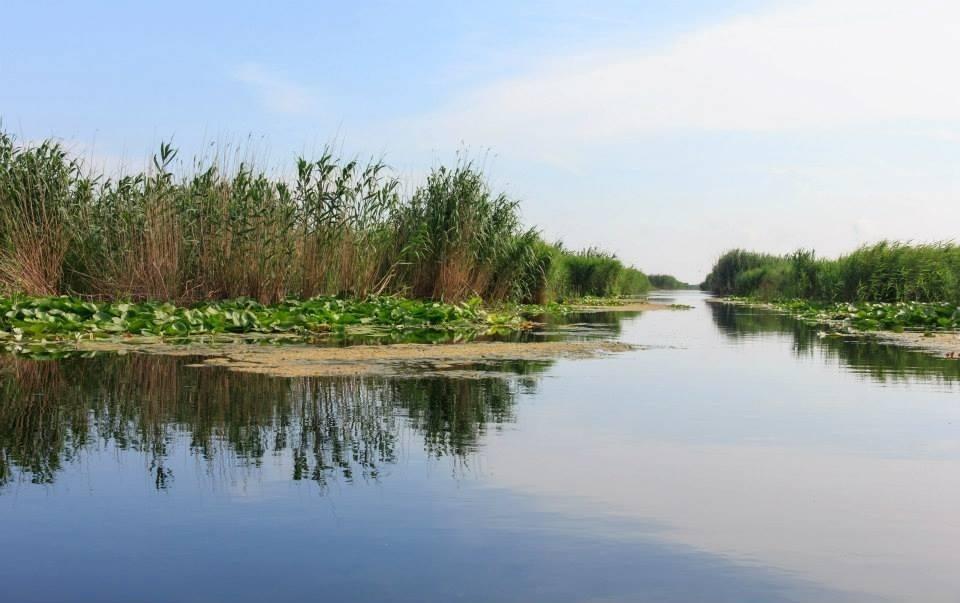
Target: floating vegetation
point(40, 326)
point(594, 304)
point(58, 318)
point(871, 316)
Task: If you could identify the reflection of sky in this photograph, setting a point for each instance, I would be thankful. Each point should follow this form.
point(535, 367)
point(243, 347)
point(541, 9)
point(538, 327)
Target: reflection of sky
point(424, 537)
point(702, 469)
point(750, 453)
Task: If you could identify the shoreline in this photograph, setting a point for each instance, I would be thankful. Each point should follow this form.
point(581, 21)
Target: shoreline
point(635, 306)
point(945, 344)
point(390, 360)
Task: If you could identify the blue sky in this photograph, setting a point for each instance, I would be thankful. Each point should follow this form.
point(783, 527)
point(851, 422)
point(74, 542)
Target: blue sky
point(664, 131)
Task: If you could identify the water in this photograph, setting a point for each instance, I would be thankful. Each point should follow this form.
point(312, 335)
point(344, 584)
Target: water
point(738, 457)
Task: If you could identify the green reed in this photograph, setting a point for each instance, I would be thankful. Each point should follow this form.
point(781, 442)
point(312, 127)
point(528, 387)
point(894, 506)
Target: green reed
point(882, 272)
point(212, 231)
point(668, 281)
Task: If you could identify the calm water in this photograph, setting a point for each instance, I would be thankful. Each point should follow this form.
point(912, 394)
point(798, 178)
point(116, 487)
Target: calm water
point(738, 458)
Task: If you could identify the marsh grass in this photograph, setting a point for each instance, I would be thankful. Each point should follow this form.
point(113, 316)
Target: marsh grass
point(341, 227)
point(39, 189)
point(593, 272)
point(224, 229)
point(668, 281)
point(890, 272)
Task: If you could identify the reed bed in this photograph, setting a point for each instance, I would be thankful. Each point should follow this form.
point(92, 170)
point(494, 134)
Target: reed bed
point(668, 281)
point(211, 232)
point(590, 272)
point(889, 272)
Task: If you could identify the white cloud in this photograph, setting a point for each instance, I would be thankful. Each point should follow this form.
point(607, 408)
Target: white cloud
point(275, 92)
point(836, 105)
point(825, 64)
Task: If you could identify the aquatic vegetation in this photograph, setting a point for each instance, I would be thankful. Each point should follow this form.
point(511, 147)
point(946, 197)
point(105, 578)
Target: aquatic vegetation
point(458, 239)
point(575, 305)
point(57, 318)
point(885, 272)
point(870, 355)
point(27, 324)
point(593, 272)
point(211, 231)
point(872, 316)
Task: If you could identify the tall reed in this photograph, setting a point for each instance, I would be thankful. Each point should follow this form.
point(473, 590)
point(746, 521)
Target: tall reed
point(212, 231)
point(595, 272)
point(340, 227)
point(458, 239)
point(40, 190)
point(668, 281)
point(883, 272)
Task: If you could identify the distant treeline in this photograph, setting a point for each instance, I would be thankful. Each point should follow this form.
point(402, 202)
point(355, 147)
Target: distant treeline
point(668, 281)
point(883, 272)
point(339, 227)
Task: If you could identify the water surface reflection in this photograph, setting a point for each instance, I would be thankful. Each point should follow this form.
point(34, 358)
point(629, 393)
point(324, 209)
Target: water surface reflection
point(737, 457)
point(878, 360)
point(342, 427)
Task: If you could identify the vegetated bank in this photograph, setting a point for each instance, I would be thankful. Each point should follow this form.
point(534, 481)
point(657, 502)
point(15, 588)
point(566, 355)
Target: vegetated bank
point(668, 281)
point(164, 251)
point(885, 286)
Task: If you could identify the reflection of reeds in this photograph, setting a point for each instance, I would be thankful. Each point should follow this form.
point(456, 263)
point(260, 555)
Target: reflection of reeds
point(453, 414)
point(880, 361)
point(37, 418)
point(333, 427)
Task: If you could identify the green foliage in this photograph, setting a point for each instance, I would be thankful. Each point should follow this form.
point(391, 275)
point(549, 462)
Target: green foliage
point(883, 272)
point(58, 318)
point(457, 239)
point(873, 316)
point(341, 228)
point(668, 281)
point(737, 271)
point(593, 272)
point(41, 190)
point(892, 272)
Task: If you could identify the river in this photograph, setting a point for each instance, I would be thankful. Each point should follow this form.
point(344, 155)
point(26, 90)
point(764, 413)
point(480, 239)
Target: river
point(735, 456)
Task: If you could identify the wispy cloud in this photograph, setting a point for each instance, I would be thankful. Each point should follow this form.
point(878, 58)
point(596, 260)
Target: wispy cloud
point(824, 64)
point(276, 92)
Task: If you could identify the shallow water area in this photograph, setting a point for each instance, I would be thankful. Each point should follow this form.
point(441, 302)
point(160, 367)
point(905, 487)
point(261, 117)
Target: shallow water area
point(734, 455)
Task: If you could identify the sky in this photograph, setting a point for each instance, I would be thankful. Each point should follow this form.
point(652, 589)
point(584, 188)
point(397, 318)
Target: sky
point(666, 132)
